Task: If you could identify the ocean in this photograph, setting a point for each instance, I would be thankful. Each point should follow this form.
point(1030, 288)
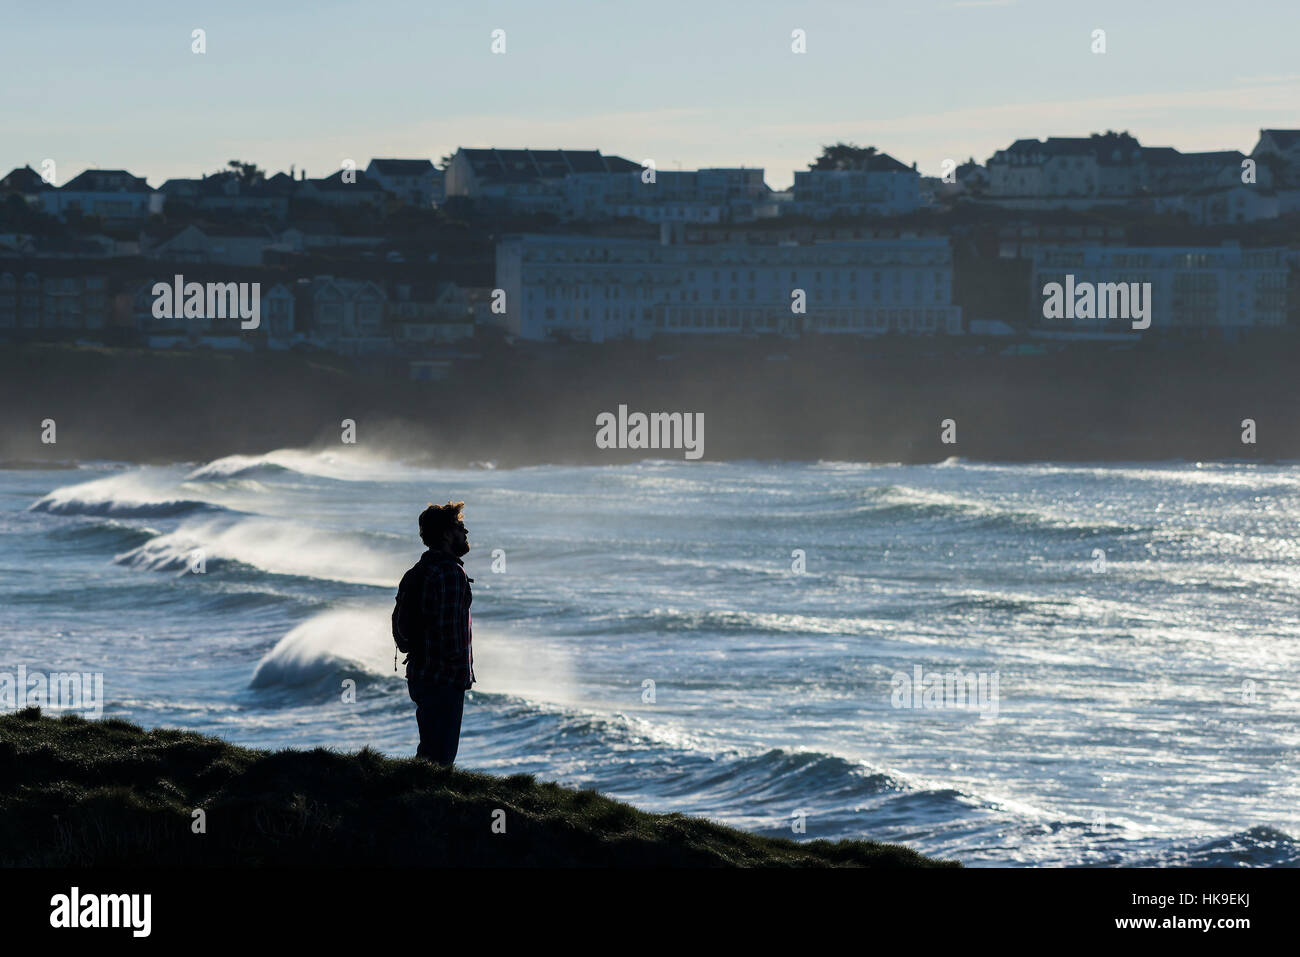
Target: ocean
point(768, 645)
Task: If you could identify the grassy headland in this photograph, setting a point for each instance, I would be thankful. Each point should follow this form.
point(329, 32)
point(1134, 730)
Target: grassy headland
point(77, 793)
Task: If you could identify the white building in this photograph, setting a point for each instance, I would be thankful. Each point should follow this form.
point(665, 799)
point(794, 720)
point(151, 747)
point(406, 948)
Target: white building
point(1022, 169)
point(1166, 170)
point(227, 193)
point(1111, 168)
point(595, 288)
point(1193, 289)
point(882, 186)
point(275, 330)
point(224, 245)
point(58, 300)
point(414, 181)
point(113, 195)
point(27, 183)
point(279, 308)
point(499, 174)
point(352, 192)
point(427, 313)
point(1225, 205)
point(711, 195)
point(587, 185)
point(344, 315)
point(1279, 150)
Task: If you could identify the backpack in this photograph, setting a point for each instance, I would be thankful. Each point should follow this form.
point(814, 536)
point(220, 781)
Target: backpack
point(407, 620)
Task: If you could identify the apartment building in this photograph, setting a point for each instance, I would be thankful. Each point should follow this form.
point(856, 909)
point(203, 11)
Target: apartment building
point(1079, 172)
point(36, 297)
point(414, 181)
point(349, 316)
point(595, 288)
point(112, 195)
point(1193, 289)
point(227, 194)
point(879, 186)
point(588, 185)
point(428, 313)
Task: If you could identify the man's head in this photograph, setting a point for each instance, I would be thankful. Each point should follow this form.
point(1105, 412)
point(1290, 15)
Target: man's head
point(442, 528)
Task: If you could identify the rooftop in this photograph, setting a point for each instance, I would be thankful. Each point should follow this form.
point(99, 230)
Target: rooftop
point(24, 179)
point(522, 165)
point(403, 167)
point(107, 181)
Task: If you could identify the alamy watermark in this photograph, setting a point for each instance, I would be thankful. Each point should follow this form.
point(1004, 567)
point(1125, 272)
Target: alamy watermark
point(947, 690)
point(1100, 300)
point(214, 300)
point(81, 691)
point(655, 430)
point(129, 911)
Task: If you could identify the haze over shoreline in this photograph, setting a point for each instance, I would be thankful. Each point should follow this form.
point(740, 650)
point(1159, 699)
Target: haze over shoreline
point(776, 400)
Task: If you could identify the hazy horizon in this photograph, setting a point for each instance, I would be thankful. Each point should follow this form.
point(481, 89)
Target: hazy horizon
point(691, 86)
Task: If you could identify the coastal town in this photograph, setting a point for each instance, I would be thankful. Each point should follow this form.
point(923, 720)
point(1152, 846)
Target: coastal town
point(409, 264)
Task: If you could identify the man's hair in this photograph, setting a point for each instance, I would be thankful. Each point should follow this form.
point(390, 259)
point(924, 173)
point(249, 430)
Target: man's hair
point(438, 520)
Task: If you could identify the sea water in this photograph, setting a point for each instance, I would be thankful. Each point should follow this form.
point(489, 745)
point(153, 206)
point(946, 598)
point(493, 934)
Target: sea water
point(726, 639)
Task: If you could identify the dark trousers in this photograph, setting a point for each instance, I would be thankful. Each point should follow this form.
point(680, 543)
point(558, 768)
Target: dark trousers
point(438, 710)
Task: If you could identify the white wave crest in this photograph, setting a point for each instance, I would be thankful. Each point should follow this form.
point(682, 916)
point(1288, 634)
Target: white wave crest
point(144, 491)
point(345, 465)
point(325, 643)
point(526, 667)
point(277, 546)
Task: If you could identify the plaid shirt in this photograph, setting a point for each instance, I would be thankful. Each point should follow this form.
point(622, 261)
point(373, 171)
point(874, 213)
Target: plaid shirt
point(445, 656)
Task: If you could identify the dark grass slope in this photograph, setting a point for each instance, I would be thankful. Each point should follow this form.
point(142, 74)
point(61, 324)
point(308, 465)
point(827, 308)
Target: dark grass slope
point(110, 794)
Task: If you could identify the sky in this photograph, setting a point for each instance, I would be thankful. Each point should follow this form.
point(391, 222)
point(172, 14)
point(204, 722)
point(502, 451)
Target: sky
point(685, 83)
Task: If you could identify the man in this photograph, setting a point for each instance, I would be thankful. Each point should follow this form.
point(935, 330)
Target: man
point(431, 623)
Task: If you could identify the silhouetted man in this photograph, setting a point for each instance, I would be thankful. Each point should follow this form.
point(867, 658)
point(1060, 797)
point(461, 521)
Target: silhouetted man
point(431, 623)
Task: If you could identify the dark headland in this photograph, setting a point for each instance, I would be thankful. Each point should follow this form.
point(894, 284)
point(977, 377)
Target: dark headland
point(77, 793)
point(769, 399)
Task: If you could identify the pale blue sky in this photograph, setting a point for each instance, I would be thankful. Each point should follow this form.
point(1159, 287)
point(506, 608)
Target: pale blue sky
point(687, 82)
